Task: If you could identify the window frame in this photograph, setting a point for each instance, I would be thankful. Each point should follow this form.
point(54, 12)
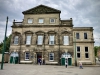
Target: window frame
point(31, 21)
point(52, 19)
point(39, 20)
point(39, 40)
point(27, 40)
point(52, 56)
point(15, 40)
point(85, 36)
point(51, 40)
point(86, 52)
point(78, 52)
point(64, 43)
point(28, 56)
point(77, 36)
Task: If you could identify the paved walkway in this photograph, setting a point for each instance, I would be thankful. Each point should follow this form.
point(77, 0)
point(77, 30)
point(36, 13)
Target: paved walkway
point(30, 69)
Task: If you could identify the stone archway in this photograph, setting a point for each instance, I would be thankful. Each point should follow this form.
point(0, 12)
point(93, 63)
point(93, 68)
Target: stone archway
point(64, 56)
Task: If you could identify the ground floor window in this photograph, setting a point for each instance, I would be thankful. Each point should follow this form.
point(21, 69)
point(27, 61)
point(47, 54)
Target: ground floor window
point(86, 52)
point(51, 56)
point(27, 56)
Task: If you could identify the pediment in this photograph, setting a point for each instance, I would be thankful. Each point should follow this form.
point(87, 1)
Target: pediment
point(41, 9)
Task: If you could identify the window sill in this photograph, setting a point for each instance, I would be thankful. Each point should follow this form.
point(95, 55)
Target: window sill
point(51, 60)
point(52, 45)
point(39, 45)
point(27, 44)
point(26, 59)
point(16, 44)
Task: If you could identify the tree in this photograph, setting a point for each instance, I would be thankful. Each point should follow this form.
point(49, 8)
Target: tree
point(8, 39)
point(96, 48)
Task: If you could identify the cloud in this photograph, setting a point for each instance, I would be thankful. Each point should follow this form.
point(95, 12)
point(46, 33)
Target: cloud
point(84, 13)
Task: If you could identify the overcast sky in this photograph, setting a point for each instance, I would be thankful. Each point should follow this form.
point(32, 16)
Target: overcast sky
point(85, 13)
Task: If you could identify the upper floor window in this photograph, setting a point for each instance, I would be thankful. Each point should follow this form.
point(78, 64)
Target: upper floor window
point(77, 36)
point(85, 35)
point(66, 40)
point(27, 56)
point(78, 51)
point(52, 20)
point(16, 40)
point(51, 56)
point(28, 40)
point(41, 20)
point(51, 40)
point(30, 20)
point(40, 40)
point(86, 52)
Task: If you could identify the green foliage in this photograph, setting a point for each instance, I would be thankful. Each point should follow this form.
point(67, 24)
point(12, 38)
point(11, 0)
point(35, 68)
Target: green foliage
point(96, 48)
point(7, 44)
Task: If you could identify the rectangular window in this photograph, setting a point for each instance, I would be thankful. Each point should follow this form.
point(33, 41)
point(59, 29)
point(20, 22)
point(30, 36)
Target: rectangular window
point(66, 40)
point(78, 55)
point(41, 20)
point(30, 20)
point(16, 40)
point(78, 52)
point(86, 52)
point(86, 49)
point(86, 55)
point(52, 20)
point(51, 40)
point(85, 35)
point(27, 56)
point(28, 40)
point(77, 36)
point(40, 40)
point(51, 56)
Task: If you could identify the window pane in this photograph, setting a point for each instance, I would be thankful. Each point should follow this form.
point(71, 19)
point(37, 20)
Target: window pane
point(51, 56)
point(78, 49)
point(41, 20)
point(86, 55)
point(86, 49)
point(28, 40)
point(30, 20)
point(77, 35)
point(78, 55)
point(66, 40)
point(85, 35)
point(52, 20)
point(16, 40)
point(26, 56)
point(51, 40)
point(40, 40)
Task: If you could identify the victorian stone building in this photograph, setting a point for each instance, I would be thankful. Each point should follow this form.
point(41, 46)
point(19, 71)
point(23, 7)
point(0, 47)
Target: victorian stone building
point(43, 34)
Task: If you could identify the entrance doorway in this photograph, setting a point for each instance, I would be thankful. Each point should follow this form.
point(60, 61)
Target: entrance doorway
point(39, 55)
point(66, 56)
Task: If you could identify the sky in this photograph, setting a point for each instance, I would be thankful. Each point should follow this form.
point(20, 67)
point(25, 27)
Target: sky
point(85, 13)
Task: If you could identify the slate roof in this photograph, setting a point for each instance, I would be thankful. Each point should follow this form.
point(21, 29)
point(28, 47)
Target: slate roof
point(41, 9)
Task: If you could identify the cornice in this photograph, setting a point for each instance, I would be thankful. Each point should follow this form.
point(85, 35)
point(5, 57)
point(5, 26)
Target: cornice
point(25, 26)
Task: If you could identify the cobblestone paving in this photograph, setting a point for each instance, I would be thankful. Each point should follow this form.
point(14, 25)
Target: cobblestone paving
point(30, 69)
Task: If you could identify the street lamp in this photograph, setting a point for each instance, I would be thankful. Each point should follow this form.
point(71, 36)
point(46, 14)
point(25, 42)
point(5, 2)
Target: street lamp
point(4, 45)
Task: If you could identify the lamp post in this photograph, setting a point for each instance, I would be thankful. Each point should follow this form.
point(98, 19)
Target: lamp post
point(4, 45)
point(75, 49)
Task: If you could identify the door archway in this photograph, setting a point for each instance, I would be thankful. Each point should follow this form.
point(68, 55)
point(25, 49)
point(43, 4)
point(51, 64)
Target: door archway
point(66, 56)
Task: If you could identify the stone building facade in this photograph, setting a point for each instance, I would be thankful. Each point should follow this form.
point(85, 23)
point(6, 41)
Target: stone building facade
point(42, 34)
